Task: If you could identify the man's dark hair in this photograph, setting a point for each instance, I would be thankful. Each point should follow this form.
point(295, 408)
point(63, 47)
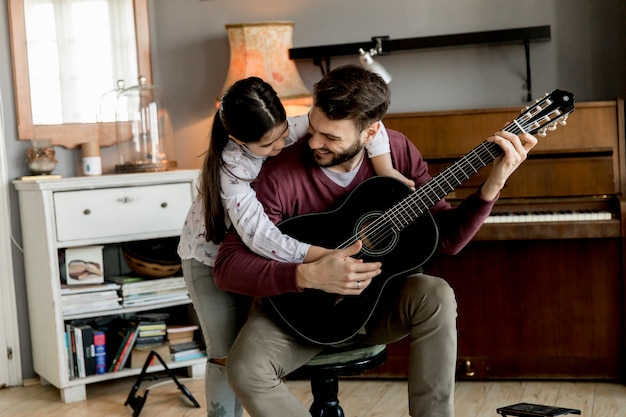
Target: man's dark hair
point(352, 92)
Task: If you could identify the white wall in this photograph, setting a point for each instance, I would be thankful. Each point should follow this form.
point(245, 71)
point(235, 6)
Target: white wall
point(190, 58)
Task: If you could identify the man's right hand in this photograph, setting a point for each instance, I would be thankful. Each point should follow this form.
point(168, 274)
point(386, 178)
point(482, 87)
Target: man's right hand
point(338, 272)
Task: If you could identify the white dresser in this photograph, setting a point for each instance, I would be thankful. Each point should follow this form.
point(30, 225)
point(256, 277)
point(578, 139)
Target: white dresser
point(63, 213)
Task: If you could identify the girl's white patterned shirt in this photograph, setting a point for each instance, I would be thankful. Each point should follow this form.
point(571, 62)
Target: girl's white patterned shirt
point(244, 211)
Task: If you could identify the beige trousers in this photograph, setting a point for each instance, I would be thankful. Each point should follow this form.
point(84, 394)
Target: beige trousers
point(420, 307)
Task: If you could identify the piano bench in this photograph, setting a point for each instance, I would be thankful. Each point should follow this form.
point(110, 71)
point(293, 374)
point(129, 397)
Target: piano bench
point(325, 369)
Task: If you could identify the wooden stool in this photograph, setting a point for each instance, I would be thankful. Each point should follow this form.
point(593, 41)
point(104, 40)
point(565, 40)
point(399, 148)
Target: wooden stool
point(325, 369)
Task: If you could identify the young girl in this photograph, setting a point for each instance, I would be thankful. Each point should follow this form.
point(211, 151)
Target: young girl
point(250, 126)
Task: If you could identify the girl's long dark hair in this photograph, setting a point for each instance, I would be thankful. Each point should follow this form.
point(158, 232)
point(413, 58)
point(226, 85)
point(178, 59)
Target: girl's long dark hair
point(248, 110)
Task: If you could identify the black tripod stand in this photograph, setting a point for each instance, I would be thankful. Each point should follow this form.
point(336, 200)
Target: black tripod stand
point(136, 402)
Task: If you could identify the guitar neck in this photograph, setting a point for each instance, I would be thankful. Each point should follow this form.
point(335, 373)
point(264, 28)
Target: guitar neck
point(538, 118)
point(418, 202)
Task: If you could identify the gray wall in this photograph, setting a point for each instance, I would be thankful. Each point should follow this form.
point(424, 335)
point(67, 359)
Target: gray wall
point(190, 57)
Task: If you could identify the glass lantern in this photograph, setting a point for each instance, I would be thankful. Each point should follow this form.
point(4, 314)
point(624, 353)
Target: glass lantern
point(110, 103)
point(144, 131)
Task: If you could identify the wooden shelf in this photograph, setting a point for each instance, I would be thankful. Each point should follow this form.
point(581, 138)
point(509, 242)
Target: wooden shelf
point(505, 36)
point(384, 45)
point(126, 310)
point(126, 372)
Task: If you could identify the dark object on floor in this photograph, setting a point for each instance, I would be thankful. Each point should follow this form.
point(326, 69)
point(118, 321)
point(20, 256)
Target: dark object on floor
point(536, 410)
point(136, 402)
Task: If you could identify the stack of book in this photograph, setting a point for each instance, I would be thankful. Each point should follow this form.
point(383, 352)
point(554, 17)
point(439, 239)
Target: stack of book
point(139, 291)
point(151, 337)
point(183, 345)
point(152, 329)
point(86, 350)
point(87, 298)
point(123, 335)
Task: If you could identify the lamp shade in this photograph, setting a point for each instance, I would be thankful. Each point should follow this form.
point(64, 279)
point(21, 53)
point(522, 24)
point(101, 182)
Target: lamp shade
point(261, 49)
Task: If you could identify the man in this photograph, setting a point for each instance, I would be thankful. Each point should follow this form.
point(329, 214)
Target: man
point(313, 176)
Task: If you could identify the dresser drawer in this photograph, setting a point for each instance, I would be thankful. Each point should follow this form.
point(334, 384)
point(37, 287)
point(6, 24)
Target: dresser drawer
point(121, 211)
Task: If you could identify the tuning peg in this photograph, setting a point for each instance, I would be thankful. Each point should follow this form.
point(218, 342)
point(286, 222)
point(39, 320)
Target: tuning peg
point(552, 126)
point(542, 132)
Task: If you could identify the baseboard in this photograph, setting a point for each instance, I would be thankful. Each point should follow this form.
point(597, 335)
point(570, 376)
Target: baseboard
point(28, 382)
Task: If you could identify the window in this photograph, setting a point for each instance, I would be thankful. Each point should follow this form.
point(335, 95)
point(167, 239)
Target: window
point(77, 51)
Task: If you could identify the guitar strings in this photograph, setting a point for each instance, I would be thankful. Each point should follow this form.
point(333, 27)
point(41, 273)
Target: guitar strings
point(380, 231)
point(376, 232)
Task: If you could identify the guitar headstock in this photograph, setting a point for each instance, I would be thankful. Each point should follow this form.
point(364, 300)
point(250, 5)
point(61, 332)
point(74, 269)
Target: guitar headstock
point(545, 113)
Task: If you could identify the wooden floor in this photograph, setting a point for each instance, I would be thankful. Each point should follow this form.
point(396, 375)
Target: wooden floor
point(359, 398)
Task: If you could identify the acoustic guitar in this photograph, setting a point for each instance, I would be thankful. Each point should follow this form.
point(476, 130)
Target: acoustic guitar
point(396, 228)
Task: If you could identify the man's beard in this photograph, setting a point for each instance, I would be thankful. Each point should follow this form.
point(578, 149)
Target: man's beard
point(339, 158)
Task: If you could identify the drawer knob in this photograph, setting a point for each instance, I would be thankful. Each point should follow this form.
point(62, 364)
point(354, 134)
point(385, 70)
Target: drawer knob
point(469, 368)
point(164, 205)
point(86, 212)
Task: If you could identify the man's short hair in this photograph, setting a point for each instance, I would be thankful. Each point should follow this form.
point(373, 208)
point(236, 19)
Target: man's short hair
point(352, 92)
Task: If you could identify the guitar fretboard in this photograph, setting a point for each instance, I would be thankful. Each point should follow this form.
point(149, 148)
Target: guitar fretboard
point(539, 118)
point(416, 204)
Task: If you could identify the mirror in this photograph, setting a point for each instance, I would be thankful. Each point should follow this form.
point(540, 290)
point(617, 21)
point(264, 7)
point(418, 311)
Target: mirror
point(41, 78)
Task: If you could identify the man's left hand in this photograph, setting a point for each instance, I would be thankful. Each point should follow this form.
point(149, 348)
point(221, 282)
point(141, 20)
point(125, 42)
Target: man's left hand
point(515, 149)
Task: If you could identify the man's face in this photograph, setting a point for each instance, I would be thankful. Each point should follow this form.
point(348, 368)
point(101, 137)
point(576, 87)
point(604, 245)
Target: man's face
point(335, 142)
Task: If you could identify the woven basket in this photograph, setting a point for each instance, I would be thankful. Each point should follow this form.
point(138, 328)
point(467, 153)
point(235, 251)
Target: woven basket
point(156, 258)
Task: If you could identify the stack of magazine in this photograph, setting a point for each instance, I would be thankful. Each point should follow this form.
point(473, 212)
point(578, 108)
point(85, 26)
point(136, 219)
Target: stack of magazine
point(183, 345)
point(138, 291)
point(87, 298)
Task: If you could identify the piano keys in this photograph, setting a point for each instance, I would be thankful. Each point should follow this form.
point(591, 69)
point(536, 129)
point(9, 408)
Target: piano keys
point(549, 217)
point(553, 218)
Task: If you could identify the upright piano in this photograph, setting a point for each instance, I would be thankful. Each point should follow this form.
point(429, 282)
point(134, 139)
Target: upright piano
point(540, 289)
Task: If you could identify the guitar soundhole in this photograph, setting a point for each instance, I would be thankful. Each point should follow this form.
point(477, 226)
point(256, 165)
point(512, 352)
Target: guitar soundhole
point(377, 235)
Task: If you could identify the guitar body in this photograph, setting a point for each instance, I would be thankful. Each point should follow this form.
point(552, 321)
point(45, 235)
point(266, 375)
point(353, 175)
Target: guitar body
point(319, 317)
